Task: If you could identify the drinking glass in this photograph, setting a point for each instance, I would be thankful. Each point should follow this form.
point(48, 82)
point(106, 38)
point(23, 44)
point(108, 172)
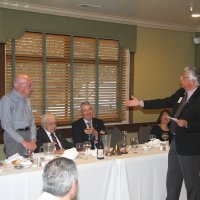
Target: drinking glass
point(28, 153)
point(152, 137)
point(87, 145)
point(80, 149)
point(79, 146)
point(165, 136)
point(134, 141)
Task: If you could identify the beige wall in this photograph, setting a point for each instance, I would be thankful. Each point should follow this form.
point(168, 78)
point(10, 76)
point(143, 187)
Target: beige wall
point(160, 58)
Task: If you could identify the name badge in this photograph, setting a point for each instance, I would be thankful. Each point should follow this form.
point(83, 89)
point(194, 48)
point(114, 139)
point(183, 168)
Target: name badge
point(180, 99)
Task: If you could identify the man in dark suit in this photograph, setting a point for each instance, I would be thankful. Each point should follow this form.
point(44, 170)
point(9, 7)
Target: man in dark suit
point(184, 154)
point(48, 133)
point(87, 128)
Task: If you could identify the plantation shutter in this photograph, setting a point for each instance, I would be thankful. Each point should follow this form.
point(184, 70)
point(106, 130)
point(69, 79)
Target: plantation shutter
point(67, 70)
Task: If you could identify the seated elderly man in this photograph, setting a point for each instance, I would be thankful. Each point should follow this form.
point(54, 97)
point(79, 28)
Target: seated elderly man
point(48, 133)
point(60, 180)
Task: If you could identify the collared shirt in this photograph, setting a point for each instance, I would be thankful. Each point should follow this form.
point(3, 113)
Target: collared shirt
point(86, 122)
point(48, 196)
point(49, 135)
point(16, 113)
point(190, 93)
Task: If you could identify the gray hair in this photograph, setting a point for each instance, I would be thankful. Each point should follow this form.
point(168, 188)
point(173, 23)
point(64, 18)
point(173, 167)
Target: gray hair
point(45, 118)
point(85, 103)
point(194, 74)
point(59, 175)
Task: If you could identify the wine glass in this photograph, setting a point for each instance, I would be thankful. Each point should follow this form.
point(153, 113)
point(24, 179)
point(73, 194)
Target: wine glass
point(79, 146)
point(28, 153)
point(87, 145)
point(152, 137)
point(165, 136)
point(134, 144)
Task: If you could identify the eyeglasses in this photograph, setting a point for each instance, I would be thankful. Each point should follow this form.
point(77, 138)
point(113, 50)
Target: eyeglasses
point(184, 76)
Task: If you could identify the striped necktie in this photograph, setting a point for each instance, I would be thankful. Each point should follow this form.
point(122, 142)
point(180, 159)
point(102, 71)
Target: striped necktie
point(89, 124)
point(55, 141)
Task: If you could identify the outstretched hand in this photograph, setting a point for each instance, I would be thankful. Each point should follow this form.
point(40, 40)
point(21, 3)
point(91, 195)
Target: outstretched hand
point(133, 102)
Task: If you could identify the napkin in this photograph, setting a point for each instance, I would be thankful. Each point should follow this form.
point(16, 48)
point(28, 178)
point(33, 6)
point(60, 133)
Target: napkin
point(21, 160)
point(14, 157)
point(92, 152)
point(146, 147)
point(70, 153)
point(155, 143)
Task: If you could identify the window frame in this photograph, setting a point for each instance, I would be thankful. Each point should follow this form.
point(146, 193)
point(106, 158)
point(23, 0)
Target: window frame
point(123, 119)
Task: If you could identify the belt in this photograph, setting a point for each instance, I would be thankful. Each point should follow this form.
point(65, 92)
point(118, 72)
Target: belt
point(23, 129)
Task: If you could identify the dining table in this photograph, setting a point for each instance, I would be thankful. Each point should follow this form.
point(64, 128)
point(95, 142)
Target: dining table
point(137, 175)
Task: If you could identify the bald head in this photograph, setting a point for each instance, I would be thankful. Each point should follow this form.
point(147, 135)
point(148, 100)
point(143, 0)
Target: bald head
point(23, 84)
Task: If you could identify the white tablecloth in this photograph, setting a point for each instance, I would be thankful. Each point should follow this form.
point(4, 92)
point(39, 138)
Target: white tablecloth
point(125, 177)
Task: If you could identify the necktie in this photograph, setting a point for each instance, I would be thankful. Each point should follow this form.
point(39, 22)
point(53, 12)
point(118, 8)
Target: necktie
point(89, 124)
point(55, 141)
point(179, 109)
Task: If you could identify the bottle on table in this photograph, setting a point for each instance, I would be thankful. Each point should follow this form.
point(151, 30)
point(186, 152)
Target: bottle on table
point(100, 148)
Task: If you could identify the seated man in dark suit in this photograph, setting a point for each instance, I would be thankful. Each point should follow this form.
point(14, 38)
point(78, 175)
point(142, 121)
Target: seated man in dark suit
point(87, 128)
point(48, 133)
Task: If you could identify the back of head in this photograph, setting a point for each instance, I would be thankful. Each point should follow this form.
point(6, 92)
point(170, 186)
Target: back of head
point(58, 176)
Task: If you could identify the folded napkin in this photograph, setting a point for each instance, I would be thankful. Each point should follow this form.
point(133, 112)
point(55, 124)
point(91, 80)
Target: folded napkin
point(13, 158)
point(92, 152)
point(16, 159)
point(70, 153)
point(155, 143)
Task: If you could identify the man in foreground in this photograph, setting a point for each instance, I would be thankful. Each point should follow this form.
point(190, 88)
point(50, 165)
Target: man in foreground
point(60, 180)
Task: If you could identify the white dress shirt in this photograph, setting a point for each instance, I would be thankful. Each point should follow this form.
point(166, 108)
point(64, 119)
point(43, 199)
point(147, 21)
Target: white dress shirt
point(47, 196)
point(49, 135)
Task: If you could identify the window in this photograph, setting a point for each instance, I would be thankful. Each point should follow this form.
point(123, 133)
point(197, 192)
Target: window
point(67, 70)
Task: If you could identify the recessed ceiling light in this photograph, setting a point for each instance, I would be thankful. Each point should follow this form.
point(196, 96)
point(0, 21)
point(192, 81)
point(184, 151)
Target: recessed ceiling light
point(195, 15)
point(89, 6)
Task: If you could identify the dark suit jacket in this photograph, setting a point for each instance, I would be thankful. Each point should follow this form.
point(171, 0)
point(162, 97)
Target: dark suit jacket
point(79, 126)
point(42, 137)
point(187, 139)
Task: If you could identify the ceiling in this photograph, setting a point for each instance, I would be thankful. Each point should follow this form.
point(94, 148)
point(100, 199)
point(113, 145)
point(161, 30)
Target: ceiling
point(167, 14)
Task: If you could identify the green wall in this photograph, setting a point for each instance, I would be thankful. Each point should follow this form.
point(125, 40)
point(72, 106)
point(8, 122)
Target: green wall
point(160, 54)
point(160, 58)
point(197, 55)
point(13, 23)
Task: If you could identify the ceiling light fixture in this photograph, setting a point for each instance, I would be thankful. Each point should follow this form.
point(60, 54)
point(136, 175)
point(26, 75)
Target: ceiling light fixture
point(193, 13)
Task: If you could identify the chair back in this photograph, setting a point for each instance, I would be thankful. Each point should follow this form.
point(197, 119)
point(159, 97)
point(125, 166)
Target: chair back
point(143, 133)
point(115, 133)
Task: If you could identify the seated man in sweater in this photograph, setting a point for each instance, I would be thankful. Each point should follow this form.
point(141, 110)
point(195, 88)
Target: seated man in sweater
point(48, 133)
